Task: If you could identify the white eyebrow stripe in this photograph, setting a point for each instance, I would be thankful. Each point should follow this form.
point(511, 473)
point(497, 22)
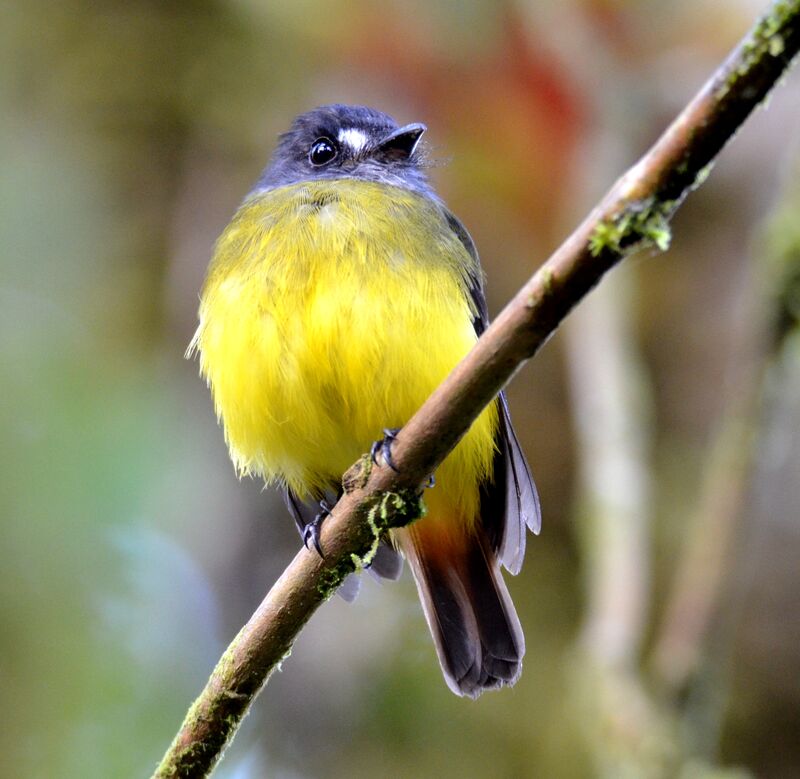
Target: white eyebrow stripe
point(355, 139)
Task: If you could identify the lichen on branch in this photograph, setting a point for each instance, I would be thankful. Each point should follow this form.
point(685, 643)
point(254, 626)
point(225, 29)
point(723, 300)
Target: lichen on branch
point(636, 211)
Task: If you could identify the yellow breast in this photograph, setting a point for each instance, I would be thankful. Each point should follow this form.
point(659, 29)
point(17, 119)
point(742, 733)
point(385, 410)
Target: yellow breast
point(331, 311)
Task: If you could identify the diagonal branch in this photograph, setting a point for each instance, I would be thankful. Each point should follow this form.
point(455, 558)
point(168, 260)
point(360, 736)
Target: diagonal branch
point(635, 212)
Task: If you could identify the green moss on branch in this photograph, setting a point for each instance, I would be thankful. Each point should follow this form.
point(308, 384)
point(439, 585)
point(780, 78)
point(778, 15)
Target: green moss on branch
point(766, 40)
point(639, 222)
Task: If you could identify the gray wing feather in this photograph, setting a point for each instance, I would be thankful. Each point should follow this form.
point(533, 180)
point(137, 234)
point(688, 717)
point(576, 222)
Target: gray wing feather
point(510, 503)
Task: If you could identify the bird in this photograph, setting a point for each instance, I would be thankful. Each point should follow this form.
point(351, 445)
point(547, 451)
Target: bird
point(340, 295)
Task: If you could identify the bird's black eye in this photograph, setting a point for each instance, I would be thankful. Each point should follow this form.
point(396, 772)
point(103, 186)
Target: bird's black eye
point(323, 150)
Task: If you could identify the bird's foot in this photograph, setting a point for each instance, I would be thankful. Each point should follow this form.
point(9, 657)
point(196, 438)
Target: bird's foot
point(311, 532)
point(383, 446)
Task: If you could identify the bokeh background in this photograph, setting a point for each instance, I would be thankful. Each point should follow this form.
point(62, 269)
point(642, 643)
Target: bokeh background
point(661, 603)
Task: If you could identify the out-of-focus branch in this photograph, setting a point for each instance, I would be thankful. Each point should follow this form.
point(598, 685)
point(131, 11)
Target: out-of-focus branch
point(635, 211)
point(699, 580)
point(693, 605)
point(609, 395)
point(626, 733)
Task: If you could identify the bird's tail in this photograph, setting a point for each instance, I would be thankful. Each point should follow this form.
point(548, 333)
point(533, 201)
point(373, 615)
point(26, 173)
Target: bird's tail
point(469, 611)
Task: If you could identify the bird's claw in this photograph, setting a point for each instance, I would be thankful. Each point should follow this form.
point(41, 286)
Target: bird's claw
point(311, 532)
point(383, 447)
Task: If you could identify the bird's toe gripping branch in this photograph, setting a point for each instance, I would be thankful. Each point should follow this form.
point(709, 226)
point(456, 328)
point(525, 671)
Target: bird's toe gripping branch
point(383, 447)
point(311, 532)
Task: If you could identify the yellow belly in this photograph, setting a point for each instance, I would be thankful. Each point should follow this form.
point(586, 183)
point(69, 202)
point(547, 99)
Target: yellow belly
point(331, 311)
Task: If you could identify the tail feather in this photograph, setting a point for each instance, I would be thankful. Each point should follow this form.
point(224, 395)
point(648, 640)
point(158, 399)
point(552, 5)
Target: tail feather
point(474, 625)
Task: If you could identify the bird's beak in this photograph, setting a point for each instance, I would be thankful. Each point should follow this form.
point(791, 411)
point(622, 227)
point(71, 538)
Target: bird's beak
point(401, 143)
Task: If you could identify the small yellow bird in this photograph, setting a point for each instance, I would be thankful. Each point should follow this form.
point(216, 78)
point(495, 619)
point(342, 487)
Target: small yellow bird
point(338, 298)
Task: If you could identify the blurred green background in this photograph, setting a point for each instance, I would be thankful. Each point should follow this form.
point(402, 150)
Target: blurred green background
point(661, 603)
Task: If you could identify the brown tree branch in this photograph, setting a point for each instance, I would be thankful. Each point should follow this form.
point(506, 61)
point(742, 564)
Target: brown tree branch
point(635, 211)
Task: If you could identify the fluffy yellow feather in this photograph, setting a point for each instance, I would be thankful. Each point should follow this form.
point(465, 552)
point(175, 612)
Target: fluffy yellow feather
point(332, 309)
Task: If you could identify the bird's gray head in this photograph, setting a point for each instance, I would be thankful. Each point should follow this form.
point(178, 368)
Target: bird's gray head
point(341, 141)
